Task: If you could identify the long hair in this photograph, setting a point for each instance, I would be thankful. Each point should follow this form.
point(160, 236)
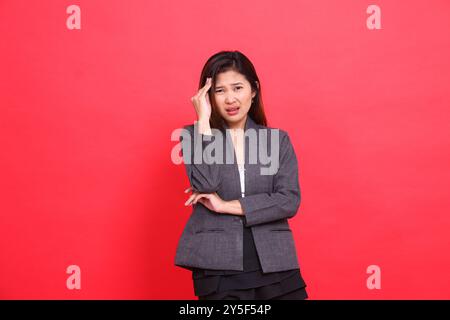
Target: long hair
point(232, 60)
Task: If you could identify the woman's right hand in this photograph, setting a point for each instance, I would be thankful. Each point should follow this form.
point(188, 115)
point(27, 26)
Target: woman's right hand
point(201, 102)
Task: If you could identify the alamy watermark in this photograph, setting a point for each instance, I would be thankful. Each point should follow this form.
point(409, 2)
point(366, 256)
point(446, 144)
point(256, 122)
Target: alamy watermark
point(209, 149)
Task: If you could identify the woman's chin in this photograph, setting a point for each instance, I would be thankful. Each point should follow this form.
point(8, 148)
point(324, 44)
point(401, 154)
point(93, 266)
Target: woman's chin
point(233, 120)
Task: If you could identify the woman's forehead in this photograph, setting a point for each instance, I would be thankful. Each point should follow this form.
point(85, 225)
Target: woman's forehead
point(230, 78)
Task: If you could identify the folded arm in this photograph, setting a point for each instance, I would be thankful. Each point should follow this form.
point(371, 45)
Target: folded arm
point(284, 201)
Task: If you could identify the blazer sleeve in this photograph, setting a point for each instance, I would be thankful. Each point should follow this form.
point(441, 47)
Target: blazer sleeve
point(204, 176)
point(284, 201)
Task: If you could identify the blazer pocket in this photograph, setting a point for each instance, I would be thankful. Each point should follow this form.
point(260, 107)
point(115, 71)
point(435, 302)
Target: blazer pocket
point(210, 230)
point(280, 230)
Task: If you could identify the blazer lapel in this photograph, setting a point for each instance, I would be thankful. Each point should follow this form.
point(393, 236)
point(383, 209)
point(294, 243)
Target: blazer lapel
point(249, 169)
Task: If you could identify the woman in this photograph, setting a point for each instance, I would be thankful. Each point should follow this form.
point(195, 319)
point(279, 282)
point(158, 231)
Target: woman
point(237, 242)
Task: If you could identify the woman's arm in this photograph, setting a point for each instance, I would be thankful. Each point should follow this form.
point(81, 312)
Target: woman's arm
point(214, 203)
point(202, 172)
point(264, 207)
point(203, 127)
point(232, 207)
point(285, 200)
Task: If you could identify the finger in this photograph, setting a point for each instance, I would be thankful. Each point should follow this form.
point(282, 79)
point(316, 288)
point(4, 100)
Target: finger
point(208, 83)
point(198, 196)
point(189, 201)
point(205, 88)
point(203, 197)
point(194, 201)
point(187, 190)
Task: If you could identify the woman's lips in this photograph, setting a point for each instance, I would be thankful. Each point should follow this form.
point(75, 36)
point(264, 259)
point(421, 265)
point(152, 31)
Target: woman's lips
point(232, 111)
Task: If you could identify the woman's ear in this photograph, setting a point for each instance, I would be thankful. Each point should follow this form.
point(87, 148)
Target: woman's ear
point(254, 91)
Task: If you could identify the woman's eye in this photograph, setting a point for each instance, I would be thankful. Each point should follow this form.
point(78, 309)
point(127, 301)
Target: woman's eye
point(220, 90)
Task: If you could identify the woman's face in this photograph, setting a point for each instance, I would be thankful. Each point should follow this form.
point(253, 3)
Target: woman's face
point(233, 96)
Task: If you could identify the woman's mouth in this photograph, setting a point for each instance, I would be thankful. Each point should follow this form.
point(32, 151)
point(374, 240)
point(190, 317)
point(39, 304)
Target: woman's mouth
point(232, 111)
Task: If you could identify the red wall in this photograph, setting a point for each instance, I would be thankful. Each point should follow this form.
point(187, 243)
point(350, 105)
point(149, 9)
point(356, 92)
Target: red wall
point(86, 118)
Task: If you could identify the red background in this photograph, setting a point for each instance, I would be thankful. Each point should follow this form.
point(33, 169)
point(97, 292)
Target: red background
point(86, 117)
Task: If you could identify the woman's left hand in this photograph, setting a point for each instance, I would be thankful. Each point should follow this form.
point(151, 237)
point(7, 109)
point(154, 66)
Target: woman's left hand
point(210, 200)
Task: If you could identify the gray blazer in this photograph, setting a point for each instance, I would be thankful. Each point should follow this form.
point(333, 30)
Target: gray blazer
point(212, 240)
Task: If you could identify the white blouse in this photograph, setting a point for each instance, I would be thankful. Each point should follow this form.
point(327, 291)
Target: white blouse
point(241, 174)
point(242, 178)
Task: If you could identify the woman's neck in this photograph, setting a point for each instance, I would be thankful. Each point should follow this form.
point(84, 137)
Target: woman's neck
point(238, 125)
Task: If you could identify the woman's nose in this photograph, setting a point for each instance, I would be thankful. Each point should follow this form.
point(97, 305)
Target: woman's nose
point(230, 98)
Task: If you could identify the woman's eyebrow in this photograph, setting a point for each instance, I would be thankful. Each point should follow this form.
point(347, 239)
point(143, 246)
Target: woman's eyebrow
point(233, 84)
